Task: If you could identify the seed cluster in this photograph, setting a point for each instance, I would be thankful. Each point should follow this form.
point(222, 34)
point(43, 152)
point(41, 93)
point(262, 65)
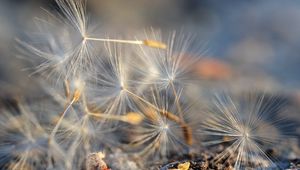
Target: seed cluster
point(115, 103)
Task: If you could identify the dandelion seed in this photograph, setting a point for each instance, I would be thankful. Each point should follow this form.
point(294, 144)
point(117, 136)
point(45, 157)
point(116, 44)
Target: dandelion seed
point(249, 124)
point(112, 87)
point(169, 69)
point(87, 135)
point(170, 66)
point(64, 45)
point(75, 11)
point(80, 130)
point(81, 133)
point(24, 142)
point(162, 131)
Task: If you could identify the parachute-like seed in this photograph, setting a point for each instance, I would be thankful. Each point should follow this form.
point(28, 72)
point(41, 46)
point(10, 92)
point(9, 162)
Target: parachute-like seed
point(112, 87)
point(162, 131)
point(65, 46)
point(24, 142)
point(169, 67)
point(250, 125)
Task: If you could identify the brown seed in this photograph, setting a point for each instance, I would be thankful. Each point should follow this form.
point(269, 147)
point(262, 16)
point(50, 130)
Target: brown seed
point(155, 44)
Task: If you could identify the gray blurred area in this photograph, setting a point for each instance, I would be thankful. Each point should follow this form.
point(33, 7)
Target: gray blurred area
point(260, 40)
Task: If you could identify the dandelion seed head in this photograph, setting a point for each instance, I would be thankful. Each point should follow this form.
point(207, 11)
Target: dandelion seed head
point(79, 84)
point(60, 46)
point(170, 66)
point(112, 86)
point(25, 141)
point(249, 125)
point(165, 127)
point(162, 131)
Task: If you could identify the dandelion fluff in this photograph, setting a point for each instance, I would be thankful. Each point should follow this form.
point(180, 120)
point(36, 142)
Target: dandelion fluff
point(250, 125)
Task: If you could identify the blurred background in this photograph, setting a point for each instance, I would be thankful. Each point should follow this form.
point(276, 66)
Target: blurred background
point(256, 42)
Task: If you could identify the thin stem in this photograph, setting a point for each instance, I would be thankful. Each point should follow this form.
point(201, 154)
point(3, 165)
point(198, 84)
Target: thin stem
point(143, 100)
point(177, 101)
point(76, 97)
point(115, 40)
point(61, 118)
point(150, 43)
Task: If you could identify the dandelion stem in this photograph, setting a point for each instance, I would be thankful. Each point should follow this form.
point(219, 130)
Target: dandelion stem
point(115, 40)
point(76, 97)
point(177, 101)
point(187, 131)
point(143, 100)
point(150, 43)
point(60, 119)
